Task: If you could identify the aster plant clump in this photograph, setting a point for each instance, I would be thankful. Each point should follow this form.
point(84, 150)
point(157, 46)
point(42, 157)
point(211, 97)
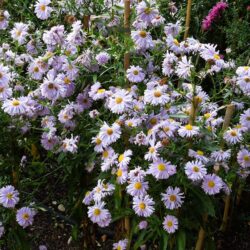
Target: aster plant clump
point(158, 143)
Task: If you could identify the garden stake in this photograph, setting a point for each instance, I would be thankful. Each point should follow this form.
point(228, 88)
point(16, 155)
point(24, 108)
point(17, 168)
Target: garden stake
point(201, 235)
point(228, 116)
point(188, 15)
point(127, 31)
point(86, 20)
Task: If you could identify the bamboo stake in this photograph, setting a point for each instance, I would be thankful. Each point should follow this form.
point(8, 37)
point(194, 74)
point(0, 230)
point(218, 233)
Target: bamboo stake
point(188, 16)
point(228, 116)
point(86, 22)
point(201, 235)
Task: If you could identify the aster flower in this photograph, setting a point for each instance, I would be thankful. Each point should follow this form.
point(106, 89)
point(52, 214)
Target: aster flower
point(212, 184)
point(195, 170)
point(142, 39)
point(135, 74)
point(156, 96)
point(20, 32)
point(170, 224)
point(110, 134)
point(198, 155)
point(124, 159)
point(184, 67)
point(121, 175)
point(9, 197)
point(232, 136)
point(42, 9)
point(143, 224)
point(120, 245)
point(96, 92)
point(5, 93)
point(70, 144)
point(88, 198)
point(98, 214)
point(137, 188)
point(153, 153)
point(25, 216)
point(188, 131)
point(137, 174)
point(161, 169)
point(102, 58)
point(245, 119)
point(145, 12)
point(120, 101)
point(15, 106)
point(220, 155)
point(143, 205)
point(243, 158)
point(4, 75)
point(172, 198)
point(4, 19)
point(172, 29)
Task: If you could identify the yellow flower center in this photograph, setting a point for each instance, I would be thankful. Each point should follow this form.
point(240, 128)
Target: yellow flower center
point(136, 72)
point(153, 121)
point(137, 185)
point(119, 173)
point(97, 211)
point(109, 131)
point(1, 75)
point(199, 152)
point(151, 150)
point(130, 124)
point(196, 169)
point(25, 216)
point(143, 34)
point(118, 100)
point(157, 93)
point(98, 141)
point(247, 79)
point(216, 57)
point(189, 127)
point(161, 167)
point(246, 158)
point(207, 115)
point(66, 80)
point(169, 223)
point(172, 197)
point(121, 158)
point(51, 86)
point(176, 42)
point(233, 133)
point(142, 206)
point(100, 91)
point(42, 7)
point(15, 103)
point(119, 248)
point(105, 154)
point(36, 69)
point(18, 33)
point(198, 99)
point(9, 195)
point(1, 89)
point(166, 129)
point(147, 10)
point(211, 184)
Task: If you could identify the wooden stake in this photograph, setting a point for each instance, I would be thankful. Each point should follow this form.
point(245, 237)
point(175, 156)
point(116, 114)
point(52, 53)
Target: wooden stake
point(188, 16)
point(228, 116)
point(86, 20)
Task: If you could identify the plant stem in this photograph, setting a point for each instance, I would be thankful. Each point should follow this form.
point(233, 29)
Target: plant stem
point(188, 16)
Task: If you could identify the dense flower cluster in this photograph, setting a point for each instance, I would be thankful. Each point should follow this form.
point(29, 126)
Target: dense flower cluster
point(160, 136)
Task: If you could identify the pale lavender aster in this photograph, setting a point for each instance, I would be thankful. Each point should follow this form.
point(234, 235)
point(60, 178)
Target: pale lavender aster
point(195, 170)
point(25, 216)
point(143, 224)
point(19, 32)
point(120, 245)
point(172, 198)
point(243, 158)
point(9, 197)
point(143, 205)
point(212, 184)
point(245, 119)
point(42, 9)
point(15, 106)
point(145, 12)
point(161, 169)
point(170, 224)
point(188, 131)
point(233, 136)
point(135, 74)
point(142, 39)
point(42, 247)
point(137, 188)
point(221, 156)
point(102, 58)
point(4, 20)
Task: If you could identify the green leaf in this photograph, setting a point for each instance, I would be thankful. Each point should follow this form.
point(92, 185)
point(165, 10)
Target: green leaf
point(181, 240)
